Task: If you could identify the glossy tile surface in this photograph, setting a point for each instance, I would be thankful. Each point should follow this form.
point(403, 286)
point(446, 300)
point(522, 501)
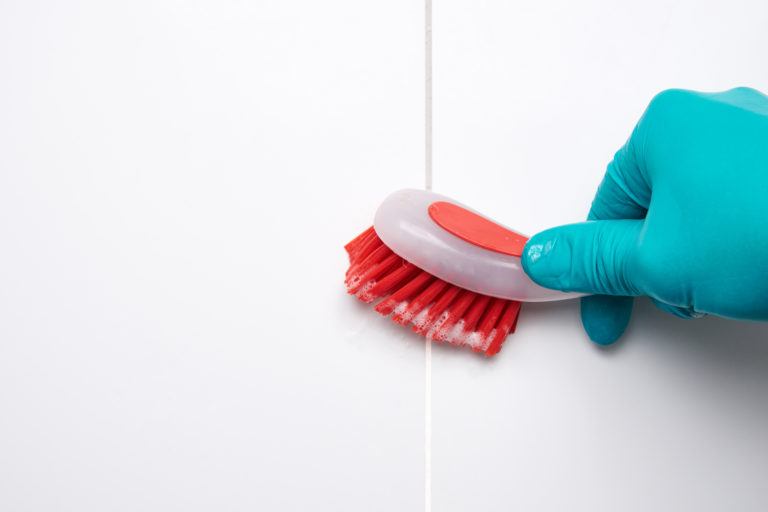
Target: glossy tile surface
point(531, 101)
point(178, 179)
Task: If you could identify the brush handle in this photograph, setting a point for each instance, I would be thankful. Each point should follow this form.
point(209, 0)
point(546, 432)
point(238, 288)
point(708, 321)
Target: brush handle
point(459, 245)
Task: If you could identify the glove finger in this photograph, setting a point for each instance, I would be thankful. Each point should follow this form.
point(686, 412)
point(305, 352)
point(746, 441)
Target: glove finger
point(625, 191)
point(622, 193)
point(605, 318)
point(678, 311)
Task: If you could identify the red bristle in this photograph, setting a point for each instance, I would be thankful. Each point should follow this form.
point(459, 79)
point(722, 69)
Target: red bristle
point(490, 318)
point(505, 324)
point(474, 313)
point(420, 302)
point(368, 246)
point(509, 318)
point(434, 306)
point(379, 269)
point(359, 241)
point(455, 311)
point(405, 292)
point(365, 275)
point(436, 309)
point(359, 267)
point(513, 328)
point(392, 280)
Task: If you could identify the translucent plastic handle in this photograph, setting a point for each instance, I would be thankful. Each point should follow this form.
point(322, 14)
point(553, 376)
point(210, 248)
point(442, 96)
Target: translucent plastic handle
point(404, 224)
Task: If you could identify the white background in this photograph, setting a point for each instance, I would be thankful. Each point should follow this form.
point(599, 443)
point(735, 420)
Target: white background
point(177, 180)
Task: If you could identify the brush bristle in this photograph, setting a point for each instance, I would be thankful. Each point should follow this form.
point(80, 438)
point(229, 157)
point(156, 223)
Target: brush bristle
point(433, 308)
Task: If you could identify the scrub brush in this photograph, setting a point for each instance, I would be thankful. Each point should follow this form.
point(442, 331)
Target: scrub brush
point(450, 273)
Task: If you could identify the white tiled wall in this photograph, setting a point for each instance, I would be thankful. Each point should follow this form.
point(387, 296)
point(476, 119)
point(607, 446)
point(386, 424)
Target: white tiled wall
point(177, 180)
point(531, 101)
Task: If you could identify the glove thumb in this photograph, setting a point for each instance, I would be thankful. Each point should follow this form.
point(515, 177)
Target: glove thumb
point(589, 257)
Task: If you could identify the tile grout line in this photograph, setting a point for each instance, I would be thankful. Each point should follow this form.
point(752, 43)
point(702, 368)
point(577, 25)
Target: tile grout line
point(428, 186)
point(428, 94)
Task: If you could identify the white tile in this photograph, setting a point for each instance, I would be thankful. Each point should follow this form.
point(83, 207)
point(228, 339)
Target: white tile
point(531, 101)
point(178, 179)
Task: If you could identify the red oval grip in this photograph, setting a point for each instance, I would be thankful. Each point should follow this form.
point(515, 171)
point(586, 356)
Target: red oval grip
point(476, 229)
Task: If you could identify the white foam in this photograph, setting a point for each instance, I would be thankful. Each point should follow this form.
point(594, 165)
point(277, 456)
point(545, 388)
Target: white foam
point(421, 318)
point(400, 308)
point(489, 339)
point(434, 330)
point(474, 340)
point(364, 292)
point(456, 335)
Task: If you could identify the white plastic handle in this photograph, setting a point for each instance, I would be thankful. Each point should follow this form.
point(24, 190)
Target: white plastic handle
point(404, 225)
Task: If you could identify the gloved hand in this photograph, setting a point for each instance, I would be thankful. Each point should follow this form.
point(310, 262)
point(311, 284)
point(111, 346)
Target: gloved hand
point(681, 216)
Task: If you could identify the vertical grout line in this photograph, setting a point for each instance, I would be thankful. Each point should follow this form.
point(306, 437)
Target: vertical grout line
point(428, 428)
point(428, 94)
point(428, 186)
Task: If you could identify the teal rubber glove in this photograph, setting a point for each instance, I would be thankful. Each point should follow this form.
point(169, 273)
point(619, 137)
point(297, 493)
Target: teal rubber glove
point(681, 216)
